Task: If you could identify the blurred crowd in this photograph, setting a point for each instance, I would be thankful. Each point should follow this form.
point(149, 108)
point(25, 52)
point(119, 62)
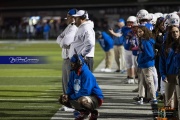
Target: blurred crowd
point(43, 29)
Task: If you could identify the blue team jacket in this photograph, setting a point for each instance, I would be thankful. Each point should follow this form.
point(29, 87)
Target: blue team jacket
point(167, 63)
point(126, 32)
point(106, 42)
point(83, 85)
point(146, 54)
point(118, 40)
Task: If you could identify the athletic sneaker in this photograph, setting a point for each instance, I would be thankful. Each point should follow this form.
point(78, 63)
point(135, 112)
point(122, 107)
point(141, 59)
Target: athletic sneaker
point(102, 70)
point(64, 108)
point(107, 70)
point(137, 98)
point(140, 102)
point(117, 71)
point(131, 81)
point(80, 115)
point(68, 109)
point(122, 71)
point(94, 115)
point(154, 101)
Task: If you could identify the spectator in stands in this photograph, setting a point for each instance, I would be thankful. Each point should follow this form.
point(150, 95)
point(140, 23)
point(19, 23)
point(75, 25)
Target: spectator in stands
point(46, 30)
point(29, 31)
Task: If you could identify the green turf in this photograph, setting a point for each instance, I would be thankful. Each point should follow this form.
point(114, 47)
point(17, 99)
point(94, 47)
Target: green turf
point(29, 92)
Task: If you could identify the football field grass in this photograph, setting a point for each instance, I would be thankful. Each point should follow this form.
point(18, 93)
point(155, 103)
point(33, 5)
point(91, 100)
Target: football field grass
point(31, 91)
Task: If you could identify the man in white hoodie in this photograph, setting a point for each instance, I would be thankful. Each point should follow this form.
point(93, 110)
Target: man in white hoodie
point(64, 40)
point(84, 41)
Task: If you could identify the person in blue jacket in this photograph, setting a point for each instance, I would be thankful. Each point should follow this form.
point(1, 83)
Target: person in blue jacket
point(167, 69)
point(128, 56)
point(106, 43)
point(118, 46)
point(127, 43)
point(159, 33)
point(146, 62)
point(83, 93)
point(46, 30)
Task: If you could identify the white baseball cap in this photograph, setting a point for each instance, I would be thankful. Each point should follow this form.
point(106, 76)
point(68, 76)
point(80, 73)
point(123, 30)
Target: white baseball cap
point(81, 13)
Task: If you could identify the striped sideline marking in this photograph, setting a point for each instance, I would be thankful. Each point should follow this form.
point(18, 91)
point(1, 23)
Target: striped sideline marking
point(30, 85)
point(30, 76)
point(28, 42)
point(27, 99)
point(38, 106)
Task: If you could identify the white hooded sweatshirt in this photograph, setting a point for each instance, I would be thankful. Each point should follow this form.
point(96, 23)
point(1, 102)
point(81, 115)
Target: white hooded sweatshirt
point(84, 40)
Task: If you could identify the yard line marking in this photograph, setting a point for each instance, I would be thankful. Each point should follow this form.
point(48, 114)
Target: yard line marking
point(38, 106)
point(28, 42)
point(27, 99)
point(44, 93)
point(44, 96)
point(29, 76)
point(29, 69)
point(51, 90)
point(30, 85)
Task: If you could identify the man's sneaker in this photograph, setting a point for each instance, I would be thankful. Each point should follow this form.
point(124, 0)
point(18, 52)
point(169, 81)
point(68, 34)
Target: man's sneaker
point(80, 115)
point(107, 70)
point(137, 98)
point(117, 71)
point(68, 109)
point(131, 81)
point(122, 71)
point(64, 108)
point(102, 70)
point(155, 102)
point(140, 102)
point(94, 115)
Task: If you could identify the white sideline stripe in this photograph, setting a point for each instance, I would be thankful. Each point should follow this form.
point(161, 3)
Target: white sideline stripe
point(38, 106)
point(44, 93)
point(29, 85)
point(30, 76)
point(28, 42)
point(51, 90)
point(27, 99)
point(58, 116)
